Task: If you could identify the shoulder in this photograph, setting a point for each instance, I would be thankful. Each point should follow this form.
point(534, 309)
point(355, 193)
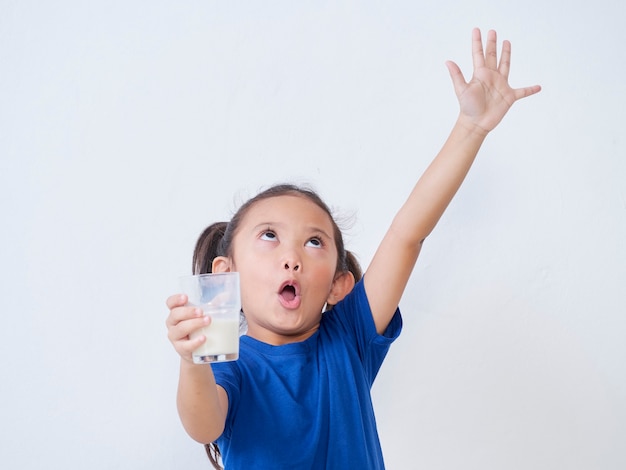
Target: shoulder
point(356, 300)
point(354, 313)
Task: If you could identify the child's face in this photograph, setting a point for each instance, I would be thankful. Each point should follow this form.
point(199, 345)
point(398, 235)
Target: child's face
point(286, 256)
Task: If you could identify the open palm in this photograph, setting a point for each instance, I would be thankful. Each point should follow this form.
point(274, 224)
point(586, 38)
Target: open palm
point(487, 97)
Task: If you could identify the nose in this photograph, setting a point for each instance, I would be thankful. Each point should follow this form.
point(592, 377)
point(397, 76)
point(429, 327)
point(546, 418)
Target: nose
point(292, 265)
point(291, 260)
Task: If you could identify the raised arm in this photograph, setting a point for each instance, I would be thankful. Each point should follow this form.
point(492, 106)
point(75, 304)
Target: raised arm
point(484, 101)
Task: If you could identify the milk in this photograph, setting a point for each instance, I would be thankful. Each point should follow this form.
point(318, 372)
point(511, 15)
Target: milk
point(222, 338)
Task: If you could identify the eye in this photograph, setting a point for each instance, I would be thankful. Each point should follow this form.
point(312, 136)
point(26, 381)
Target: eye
point(315, 243)
point(268, 235)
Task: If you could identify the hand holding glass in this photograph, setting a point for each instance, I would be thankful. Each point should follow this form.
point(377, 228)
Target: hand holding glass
point(218, 296)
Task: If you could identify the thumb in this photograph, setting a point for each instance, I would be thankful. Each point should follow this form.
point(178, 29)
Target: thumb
point(520, 93)
point(458, 81)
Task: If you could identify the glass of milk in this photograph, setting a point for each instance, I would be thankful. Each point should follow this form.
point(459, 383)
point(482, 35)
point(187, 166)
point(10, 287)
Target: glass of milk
point(218, 296)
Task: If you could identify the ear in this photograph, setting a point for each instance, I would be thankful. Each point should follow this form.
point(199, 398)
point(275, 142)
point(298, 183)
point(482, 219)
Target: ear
point(342, 285)
point(221, 264)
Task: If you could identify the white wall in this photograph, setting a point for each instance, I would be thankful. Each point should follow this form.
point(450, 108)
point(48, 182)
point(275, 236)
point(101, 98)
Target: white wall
point(127, 126)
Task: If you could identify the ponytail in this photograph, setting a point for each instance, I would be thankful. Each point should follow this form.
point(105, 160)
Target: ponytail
point(208, 247)
point(214, 455)
point(352, 265)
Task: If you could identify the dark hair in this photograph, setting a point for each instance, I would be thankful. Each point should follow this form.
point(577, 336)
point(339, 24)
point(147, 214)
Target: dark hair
point(208, 248)
point(352, 265)
point(214, 455)
point(217, 239)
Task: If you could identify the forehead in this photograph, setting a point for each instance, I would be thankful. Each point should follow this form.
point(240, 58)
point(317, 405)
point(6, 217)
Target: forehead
point(289, 208)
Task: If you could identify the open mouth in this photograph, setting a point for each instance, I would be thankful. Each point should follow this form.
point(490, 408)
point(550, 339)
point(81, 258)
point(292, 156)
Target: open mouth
point(289, 295)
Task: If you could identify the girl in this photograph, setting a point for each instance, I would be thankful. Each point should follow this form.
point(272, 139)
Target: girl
point(299, 395)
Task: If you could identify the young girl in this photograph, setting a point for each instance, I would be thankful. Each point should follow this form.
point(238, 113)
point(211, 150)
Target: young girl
point(299, 395)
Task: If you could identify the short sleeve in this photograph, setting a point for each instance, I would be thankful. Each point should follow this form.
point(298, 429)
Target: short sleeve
point(353, 315)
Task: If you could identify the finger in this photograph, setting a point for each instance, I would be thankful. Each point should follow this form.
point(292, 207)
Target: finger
point(505, 60)
point(176, 300)
point(491, 50)
point(189, 346)
point(478, 57)
point(458, 81)
point(186, 347)
point(181, 330)
point(180, 314)
point(520, 93)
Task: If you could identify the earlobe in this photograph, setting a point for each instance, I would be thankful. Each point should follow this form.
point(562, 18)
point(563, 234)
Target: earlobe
point(342, 285)
point(221, 264)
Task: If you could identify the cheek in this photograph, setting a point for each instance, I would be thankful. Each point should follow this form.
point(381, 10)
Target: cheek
point(324, 273)
point(254, 281)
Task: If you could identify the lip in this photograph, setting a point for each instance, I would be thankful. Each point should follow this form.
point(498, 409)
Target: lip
point(286, 302)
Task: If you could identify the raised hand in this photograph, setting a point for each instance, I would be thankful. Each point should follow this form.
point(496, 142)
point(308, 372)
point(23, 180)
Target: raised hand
point(487, 97)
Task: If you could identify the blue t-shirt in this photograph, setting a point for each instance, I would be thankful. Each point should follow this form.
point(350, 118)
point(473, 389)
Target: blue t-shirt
point(307, 405)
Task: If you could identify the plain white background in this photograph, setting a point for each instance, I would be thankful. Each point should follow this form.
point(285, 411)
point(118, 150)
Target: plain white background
point(126, 127)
